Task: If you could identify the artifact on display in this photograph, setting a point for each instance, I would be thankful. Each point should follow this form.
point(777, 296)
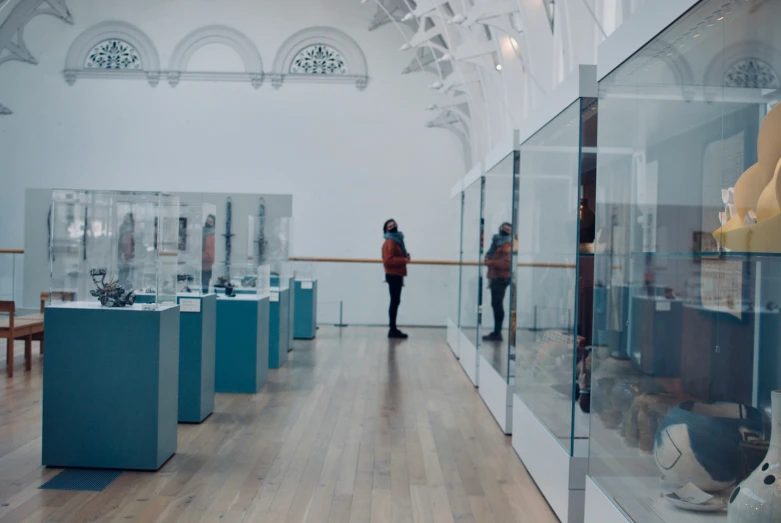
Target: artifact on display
point(110, 294)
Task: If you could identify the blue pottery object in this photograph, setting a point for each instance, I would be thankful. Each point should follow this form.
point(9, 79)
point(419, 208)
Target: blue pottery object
point(698, 443)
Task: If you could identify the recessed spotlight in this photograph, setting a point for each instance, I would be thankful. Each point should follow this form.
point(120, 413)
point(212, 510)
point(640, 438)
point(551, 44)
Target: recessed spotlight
point(498, 67)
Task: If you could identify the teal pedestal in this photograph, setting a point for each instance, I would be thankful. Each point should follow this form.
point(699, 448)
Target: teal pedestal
point(197, 346)
point(110, 386)
point(279, 328)
point(242, 344)
point(305, 316)
point(291, 316)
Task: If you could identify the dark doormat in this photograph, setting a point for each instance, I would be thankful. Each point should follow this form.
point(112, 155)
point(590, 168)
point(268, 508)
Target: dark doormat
point(85, 480)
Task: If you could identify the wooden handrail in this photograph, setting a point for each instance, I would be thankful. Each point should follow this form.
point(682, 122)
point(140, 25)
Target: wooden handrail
point(11, 251)
point(428, 262)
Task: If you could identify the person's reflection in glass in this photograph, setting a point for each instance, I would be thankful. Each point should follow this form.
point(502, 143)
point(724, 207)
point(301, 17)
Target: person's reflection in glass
point(498, 259)
point(126, 250)
point(207, 254)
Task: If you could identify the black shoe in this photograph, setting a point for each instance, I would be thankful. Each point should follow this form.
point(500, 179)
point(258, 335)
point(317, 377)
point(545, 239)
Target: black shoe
point(494, 336)
point(396, 334)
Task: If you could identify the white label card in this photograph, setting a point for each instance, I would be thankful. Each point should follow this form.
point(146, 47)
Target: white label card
point(274, 297)
point(189, 305)
point(663, 306)
point(306, 285)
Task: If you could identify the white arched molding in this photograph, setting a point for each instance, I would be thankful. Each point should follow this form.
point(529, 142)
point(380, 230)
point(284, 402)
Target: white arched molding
point(216, 34)
point(355, 70)
point(139, 49)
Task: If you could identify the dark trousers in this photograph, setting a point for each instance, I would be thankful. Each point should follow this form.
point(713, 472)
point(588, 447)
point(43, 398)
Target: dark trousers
point(395, 283)
point(206, 277)
point(498, 290)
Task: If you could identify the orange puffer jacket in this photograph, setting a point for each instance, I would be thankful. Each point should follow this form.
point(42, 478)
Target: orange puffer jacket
point(499, 263)
point(393, 259)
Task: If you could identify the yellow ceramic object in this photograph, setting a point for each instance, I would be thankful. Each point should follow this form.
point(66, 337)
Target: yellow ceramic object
point(749, 188)
point(769, 140)
point(758, 188)
point(769, 203)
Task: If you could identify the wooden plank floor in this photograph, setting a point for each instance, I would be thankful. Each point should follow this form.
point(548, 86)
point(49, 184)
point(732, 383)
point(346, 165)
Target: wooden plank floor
point(355, 429)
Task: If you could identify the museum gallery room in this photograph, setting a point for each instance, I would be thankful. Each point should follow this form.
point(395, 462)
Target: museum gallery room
point(390, 261)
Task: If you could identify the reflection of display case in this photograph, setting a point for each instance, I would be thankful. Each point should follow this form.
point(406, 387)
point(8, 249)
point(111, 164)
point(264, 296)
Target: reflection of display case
point(277, 239)
point(121, 242)
point(471, 278)
point(241, 278)
point(304, 271)
point(681, 390)
point(500, 248)
point(196, 244)
point(556, 196)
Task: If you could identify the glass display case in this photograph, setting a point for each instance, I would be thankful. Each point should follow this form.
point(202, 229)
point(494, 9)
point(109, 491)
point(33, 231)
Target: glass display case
point(281, 273)
point(500, 249)
point(454, 286)
point(304, 271)
point(471, 278)
point(687, 272)
point(555, 271)
point(241, 278)
point(106, 246)
point(196, 244)
point(276, 238)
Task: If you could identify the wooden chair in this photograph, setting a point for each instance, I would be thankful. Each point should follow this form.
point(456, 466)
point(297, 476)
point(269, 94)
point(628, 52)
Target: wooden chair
point(13, 327)
point(58, 295)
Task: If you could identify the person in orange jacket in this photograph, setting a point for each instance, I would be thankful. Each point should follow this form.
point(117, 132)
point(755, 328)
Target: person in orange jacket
point(395, 259)
point(498, 259)
point(207, 254)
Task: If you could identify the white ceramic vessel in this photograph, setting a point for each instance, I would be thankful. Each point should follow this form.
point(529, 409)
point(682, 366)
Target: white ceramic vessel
point(758, 498)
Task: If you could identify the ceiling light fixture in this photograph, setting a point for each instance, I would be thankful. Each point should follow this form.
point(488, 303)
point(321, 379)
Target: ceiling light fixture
point(404, 46)
point(407, 17)
point(498, 67)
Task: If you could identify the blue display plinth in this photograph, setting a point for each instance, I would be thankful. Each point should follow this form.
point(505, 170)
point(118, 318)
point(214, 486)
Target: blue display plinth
point(197, 345)
point(110, 386)
point(305, 316)
point(291, 315)
point(279, 328)
point(242, 344)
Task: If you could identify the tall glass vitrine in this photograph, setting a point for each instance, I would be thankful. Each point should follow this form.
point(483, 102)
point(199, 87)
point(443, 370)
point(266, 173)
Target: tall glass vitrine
point(555, 217)
point(687, 266)
point(471, 277)
point(500, 248)
point(108, 245)
point(454, 287)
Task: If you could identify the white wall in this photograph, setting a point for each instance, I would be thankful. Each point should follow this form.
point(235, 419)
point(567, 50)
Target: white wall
point(350, 159)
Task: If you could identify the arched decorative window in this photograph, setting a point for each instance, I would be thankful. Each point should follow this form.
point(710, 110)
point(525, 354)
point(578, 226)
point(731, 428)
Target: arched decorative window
point(320, 54)
point(319, 59)
point(749, 64)
point(751, 73)
point(112, 50)
point(113, 54)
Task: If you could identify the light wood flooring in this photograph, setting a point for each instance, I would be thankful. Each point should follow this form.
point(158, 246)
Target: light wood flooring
point(353, 430)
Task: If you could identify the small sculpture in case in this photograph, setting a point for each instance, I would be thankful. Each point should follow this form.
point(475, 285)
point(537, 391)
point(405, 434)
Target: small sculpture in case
point(110, 294)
